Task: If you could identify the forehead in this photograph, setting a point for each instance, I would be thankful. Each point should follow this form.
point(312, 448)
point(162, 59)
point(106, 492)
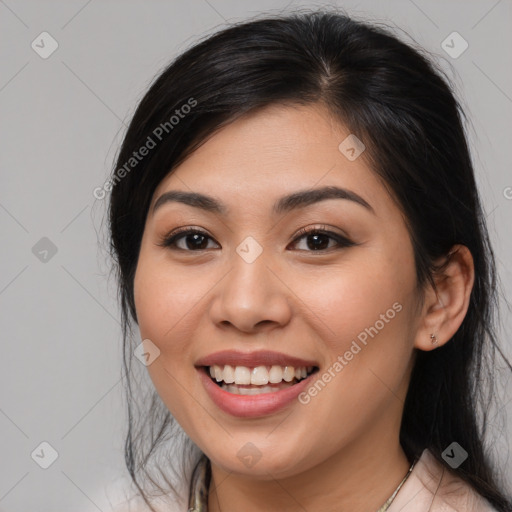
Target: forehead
point(273, 152)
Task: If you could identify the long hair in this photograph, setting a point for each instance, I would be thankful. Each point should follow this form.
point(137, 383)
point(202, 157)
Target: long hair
point(403, 107)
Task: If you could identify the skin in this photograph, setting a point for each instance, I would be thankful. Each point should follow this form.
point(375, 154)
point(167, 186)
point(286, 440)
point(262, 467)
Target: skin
point(340, 451)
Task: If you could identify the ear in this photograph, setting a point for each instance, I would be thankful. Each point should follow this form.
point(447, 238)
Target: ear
point(445, 307)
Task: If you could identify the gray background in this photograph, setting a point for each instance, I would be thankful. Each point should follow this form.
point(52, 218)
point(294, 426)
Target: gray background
point(62, 120)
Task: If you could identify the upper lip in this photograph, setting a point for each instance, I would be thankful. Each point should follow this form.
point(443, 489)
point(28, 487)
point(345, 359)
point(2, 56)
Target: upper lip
point(253, 359)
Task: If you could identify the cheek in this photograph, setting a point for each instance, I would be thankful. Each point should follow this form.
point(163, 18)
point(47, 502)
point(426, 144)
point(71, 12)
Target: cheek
point(358, 296)
point(164, 302)
point(364, 316)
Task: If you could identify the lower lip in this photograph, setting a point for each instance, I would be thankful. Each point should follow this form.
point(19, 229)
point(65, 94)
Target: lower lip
point(250, 406)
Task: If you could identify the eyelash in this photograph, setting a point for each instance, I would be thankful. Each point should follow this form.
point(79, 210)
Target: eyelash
point(170, 240)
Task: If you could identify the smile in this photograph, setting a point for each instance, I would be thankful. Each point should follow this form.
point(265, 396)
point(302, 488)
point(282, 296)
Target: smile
point(254, 384)
point(244, 380)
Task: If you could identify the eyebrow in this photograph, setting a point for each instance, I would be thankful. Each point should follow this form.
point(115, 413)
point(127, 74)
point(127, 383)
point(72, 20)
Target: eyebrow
point(284, 204)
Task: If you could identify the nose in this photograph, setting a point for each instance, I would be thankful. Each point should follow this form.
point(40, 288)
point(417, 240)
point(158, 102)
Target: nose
point(252, 297)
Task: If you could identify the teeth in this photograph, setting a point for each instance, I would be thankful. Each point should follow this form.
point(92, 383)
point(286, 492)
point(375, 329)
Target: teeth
point(288, 373)
point(236, 390)
point(242, 375)
point(228, 374)
point(275, 375)
point(258, 376)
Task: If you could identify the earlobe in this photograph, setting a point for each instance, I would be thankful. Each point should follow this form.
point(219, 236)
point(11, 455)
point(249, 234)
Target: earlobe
point(446, 306)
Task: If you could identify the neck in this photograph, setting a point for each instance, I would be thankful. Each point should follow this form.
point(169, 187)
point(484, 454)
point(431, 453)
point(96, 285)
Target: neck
point(358, 478)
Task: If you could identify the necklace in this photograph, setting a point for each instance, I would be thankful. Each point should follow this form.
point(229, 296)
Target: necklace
point(392, 497)
point(200, 482)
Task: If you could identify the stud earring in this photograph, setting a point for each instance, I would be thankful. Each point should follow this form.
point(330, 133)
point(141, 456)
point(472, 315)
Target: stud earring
point(433, 339)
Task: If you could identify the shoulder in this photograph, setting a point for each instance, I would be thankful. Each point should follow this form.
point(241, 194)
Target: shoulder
point(166, 503)
point(139, 506)
point(430, 486)
point(129, 499)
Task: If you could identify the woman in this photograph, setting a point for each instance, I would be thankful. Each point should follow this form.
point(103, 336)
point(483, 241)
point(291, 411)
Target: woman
point(299, 238)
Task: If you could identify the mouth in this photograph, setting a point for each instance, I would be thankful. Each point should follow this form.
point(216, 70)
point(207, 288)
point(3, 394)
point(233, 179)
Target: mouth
point(257, 380)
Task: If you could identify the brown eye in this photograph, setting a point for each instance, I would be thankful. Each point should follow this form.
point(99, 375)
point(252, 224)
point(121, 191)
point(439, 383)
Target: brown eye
point(317, 240)
point(194, 240)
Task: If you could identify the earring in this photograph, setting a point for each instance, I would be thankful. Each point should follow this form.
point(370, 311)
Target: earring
point(433, 339)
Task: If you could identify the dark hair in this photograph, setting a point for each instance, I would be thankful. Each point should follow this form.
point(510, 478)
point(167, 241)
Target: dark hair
point(402, 106)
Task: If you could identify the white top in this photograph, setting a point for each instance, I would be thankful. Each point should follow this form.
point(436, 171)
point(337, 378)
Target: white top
point(430, 487)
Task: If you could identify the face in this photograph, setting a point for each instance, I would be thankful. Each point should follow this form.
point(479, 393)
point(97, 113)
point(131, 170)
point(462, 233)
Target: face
point(317, 296)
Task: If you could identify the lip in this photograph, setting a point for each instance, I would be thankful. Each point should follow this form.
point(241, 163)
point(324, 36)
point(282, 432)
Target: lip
point(250, 406)
point(253, 359)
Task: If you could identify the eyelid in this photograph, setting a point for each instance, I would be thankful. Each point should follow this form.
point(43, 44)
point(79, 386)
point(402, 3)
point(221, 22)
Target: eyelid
point(321, 228)
point(169, 240)
point(341, 240)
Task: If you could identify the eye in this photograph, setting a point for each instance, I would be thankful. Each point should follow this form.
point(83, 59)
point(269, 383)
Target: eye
point(194, 239)
point(197, 240)
point(317, 239)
